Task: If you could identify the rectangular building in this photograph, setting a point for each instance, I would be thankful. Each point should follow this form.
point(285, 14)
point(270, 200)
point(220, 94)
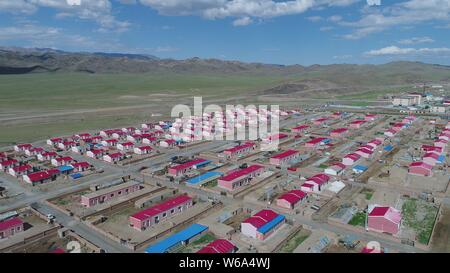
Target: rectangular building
point(108, 194)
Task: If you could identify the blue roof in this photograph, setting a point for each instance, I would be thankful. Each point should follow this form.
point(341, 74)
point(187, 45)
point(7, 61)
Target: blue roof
point(76, 175)
point(268, 226)
point(171, 241)
point(327, 140)
point(65, 168)
point(203, 177)
point(206, 162)
point(388, 148)
point(441, 159)
point(360, 168)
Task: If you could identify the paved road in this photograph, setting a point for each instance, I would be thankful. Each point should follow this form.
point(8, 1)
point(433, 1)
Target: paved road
point(82, 229)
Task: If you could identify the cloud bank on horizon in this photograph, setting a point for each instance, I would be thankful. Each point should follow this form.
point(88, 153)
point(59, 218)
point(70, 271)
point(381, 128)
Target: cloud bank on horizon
point(368, 31)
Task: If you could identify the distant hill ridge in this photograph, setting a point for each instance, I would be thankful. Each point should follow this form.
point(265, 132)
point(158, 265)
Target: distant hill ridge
point(15, 60)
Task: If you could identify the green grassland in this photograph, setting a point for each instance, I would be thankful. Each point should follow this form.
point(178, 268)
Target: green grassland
point(359, 219)
point(65, 91)
point(420, 216)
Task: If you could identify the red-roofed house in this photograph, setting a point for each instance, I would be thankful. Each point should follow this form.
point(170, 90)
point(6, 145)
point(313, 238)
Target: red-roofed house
point(67, 145)
point(114, 157)
point(284, 158)
point(10, 227)
point(126, 146)
point(221, 246)
point(300, 128)
point(109, 193)
point(134, 138)
point(22, 147)
point(149, 140)
point(364, 152)
point(420, 168)
point(340, 132)
point(167, 143)
point(10, 163)
point(317, 181)
point(315, 143)
point(384, 219)
point(357, 124)
point(54, 141)
point(80, 166)
point(181, 169)
point(240, 149)
point(39, 177)
point(60, 161)
point(290, 199)
point(335, 169)
point(142, 150)
point(374, 143)
point(34, 151)
point(110, 142)
point(350, 159)
point(432, 149)
point(239, 178)
point(96, 153)
point(20, 170)
point(390, 133)
point(251, 227)
point(430, 158)
point(320, 121)
point(47, 156)
point(441, 143)
point(160, 212)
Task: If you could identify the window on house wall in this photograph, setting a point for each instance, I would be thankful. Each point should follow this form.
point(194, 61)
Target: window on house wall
point(164, 214)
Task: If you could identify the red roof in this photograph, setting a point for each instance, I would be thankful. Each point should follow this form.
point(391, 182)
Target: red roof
point(353, 156)
point(365, 150)
point(358, 122)
point(116, 155)
point(239, 173)
point(285, 154)
point(379, 211)
point(159, 208)
point(293, 196)
point(10, 223)
point(22, 168)
point(81, 164)
point(188, 164)
point(127, 144)
point(51, 154)
point(432, 155)
point(65, 159)
point(96, 151)
point(301, 127)
point(429, 148)
point(145, 148)
point(339, 130)
point(261, 218)
point(9, 162)
point(240, 147)
point(39, 176)
point(218, 246)
point(316, 140)
point(421, 164)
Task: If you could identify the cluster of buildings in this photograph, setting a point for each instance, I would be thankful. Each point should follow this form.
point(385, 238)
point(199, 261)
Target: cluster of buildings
point(432, 154)
point(50, 166)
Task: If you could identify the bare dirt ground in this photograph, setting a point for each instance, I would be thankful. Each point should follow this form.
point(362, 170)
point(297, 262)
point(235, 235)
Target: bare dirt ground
point(441, 236)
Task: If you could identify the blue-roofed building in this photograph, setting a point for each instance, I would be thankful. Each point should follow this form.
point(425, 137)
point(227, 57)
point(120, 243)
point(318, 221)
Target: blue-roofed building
point(360, 168)
point(388, 148)
point(270, 225)
point(76, 175)
point(65, 169)
point(204, 178)
point(326, 141)
point(202, 164)
point(178, 239)
point(441, 159)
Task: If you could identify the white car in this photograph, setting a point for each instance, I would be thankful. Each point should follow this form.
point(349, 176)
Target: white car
point(50, 216)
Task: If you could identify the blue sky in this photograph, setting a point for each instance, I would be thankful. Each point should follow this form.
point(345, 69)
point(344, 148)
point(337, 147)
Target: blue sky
point(271, 31)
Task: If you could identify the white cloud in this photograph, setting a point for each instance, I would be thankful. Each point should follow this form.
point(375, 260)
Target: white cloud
point(394, 50)
point(242, 21)
point(314, 18)
point(416, 40)
point(407, 13)
point(240, 9)
point(99, 11)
